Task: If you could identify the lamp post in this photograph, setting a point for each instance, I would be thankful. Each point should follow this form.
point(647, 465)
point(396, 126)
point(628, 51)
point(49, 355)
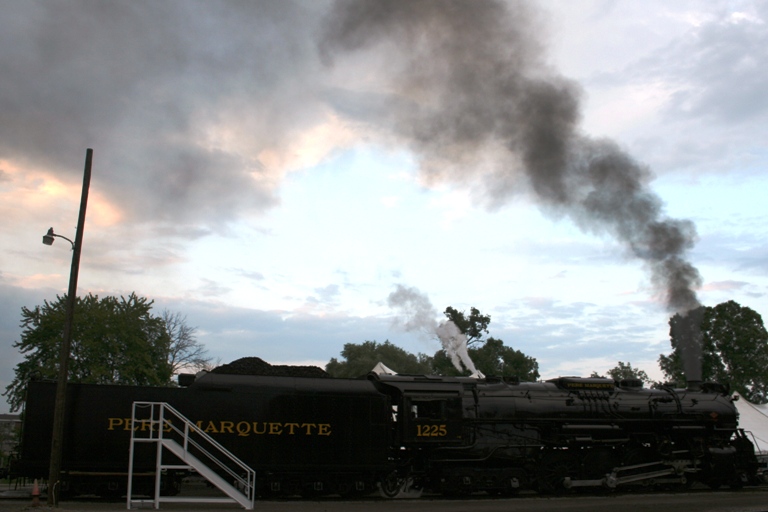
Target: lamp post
point(57, 438)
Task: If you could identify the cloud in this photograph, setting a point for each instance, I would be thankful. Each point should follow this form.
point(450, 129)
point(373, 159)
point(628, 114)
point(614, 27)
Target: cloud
point(740, 246)
point(178, 98)
point(328, 293)
point(725, 285)
point(248, 274)
point(542, 326)
point(690, 101)
point(210, 288)
point(721, 79)
point(232, 332)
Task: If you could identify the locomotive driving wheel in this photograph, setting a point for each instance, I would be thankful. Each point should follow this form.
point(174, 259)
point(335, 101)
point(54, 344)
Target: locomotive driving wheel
point(392, 484)
point(555, 468)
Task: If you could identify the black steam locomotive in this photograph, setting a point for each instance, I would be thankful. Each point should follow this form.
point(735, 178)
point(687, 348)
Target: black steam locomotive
point(448, 435)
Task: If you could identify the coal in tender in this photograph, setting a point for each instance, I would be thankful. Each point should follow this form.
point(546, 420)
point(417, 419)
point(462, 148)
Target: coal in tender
point(257, 366)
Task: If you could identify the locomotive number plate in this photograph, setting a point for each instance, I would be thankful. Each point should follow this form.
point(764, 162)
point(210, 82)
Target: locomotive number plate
point(436, 430)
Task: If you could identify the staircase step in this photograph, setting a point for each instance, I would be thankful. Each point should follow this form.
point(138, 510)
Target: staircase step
point(206, 472)
point(193, 499)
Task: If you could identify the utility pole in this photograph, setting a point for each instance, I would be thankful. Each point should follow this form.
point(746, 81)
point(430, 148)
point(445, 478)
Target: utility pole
point(57, 438)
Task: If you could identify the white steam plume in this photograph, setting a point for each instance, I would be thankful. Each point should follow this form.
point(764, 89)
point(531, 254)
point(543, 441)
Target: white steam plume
point(417, 314)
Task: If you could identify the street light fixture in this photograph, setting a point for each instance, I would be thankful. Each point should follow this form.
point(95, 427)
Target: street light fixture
point(57, 437)
point(48, 238)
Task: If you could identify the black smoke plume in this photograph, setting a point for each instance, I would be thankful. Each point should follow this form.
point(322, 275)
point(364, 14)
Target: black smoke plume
point(465, 85)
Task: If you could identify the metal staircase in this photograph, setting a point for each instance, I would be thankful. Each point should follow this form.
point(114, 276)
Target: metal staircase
point(158, 422)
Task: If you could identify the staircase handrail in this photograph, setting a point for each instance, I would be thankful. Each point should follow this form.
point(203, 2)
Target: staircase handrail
point(247, 483)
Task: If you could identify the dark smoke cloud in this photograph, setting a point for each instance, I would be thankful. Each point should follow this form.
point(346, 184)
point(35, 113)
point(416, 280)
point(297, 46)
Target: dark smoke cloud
point(471, 94)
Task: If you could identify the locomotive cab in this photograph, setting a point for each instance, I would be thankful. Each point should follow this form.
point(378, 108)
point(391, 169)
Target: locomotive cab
point(427, 410)
point(430, 419)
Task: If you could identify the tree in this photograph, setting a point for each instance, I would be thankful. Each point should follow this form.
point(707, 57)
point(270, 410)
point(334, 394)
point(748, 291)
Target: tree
point(493, 358)
point(490, 356)
point(473, 326)
point(734, 350)
point(114, 341)
point(185, 353)
point(624, 371)
point(361, 358)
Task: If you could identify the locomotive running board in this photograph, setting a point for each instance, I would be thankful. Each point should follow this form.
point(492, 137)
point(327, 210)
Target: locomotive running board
point(160, 424)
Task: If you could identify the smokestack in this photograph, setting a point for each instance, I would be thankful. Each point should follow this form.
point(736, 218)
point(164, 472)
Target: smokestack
point(686, 330)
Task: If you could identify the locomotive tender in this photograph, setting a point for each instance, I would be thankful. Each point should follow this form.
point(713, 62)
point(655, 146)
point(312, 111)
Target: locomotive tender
point(451, 435)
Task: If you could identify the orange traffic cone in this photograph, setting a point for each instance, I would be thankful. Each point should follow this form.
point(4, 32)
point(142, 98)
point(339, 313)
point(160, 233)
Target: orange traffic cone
point(35, 494)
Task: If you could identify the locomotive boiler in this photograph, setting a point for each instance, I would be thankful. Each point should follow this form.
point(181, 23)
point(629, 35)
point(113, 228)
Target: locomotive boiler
point(450, 435)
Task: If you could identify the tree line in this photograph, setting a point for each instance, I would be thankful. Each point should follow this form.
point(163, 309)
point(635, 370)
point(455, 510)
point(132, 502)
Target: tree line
point(734, 352)
point(119, 340)
point(491, 356)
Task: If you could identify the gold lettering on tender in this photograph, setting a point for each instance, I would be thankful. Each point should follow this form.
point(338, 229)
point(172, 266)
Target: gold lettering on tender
point(243, 428)
point(290, 427)
point(139, 425)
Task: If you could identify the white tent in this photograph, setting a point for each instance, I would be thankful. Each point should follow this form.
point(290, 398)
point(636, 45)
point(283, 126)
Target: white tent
point(382, 369)
point(754, 418)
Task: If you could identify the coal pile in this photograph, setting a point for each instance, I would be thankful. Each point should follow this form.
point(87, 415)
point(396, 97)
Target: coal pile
point(257, 366)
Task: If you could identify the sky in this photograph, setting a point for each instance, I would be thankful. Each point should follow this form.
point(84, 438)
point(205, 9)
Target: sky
point(275, 170)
